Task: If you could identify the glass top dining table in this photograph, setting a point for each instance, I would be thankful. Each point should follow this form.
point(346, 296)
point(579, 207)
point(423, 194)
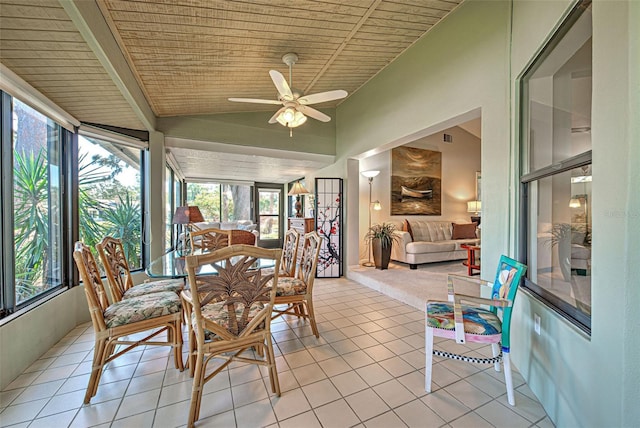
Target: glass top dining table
point(173, 265)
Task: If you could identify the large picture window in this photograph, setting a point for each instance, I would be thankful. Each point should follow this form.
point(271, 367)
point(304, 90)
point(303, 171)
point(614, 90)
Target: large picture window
point(32, 211)
point(110, 195)
point(556, 179)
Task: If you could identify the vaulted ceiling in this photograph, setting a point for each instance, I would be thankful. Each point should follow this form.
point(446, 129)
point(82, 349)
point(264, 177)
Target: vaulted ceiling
point(125, 63)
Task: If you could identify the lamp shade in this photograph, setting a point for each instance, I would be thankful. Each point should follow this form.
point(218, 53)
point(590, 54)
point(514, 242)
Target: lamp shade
point(370, 174)
point(187, 214)
point(376, 206)
point(575, 203)
point(474, 206)
point(298, 189)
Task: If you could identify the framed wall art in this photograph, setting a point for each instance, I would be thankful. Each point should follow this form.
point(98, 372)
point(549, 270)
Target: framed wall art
point(416, 181)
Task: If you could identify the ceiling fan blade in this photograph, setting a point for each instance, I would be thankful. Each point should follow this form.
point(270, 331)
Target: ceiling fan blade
point(316, 114)
point(273, 118)
point(254, 100)
point(323, 97)
point(281, 85)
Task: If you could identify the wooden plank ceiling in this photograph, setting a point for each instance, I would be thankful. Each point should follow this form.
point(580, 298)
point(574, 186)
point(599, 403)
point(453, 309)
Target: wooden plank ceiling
point(189, 56)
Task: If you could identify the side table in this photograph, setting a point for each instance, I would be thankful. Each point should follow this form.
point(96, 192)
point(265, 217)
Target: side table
point(471, 263)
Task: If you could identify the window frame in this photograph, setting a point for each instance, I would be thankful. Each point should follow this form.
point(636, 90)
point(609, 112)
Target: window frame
point(527, 176)
point(8, 299)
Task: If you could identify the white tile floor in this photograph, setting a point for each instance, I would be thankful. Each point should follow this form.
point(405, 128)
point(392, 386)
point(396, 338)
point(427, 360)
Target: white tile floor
point(367, 369)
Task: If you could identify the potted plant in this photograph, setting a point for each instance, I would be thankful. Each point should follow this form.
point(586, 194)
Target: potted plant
point(381, 238)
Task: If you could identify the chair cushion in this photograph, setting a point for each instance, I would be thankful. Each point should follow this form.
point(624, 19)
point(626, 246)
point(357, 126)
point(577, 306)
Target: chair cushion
point(173, 285)
point(476, 320)
point(142, 308)
point(219, 314)
point(288, 286)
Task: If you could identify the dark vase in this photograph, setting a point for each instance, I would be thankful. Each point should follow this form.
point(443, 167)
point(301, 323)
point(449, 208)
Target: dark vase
point(381, 255)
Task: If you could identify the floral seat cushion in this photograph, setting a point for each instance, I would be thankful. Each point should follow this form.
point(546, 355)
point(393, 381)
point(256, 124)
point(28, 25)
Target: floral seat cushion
point(142, 308)
point(288, 286)
point(173, 285)
point(476, 320)
point(219, 314)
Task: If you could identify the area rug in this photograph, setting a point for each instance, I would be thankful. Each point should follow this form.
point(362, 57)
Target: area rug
point(413, 287)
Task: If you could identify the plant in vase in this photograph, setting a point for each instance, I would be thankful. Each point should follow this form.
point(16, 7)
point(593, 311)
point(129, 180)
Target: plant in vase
point(381, 238)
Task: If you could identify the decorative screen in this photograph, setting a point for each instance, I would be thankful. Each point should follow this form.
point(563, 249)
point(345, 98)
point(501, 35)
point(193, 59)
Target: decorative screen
point(329, 226)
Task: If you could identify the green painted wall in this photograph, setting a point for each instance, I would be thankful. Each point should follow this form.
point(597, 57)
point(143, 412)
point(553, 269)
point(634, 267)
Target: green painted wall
point(253, 129)
point(472, 60)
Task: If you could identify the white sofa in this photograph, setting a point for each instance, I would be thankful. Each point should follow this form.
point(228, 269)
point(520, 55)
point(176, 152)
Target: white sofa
point(431, 241)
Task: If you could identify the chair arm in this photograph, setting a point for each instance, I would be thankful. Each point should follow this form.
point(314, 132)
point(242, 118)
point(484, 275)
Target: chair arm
point(459, 298)
point(450, 283)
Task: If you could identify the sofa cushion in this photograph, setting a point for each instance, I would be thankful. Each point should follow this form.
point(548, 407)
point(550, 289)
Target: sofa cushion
point(430, 231)
point(207, 225)
point(406, 226)
point(464, 231)
point(228, 225)
point(580, 252)
point(420, 247)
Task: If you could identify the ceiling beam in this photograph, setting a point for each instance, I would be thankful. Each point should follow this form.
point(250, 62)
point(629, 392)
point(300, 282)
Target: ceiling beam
point(90, 22)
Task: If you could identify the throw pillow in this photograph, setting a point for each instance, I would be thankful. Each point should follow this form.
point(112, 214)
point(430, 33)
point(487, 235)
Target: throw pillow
point(464, 231)
point(407, 228)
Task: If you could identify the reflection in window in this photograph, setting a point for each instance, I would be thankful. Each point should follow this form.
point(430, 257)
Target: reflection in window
point(110, 193)
point(36, 203)
point(556, 140)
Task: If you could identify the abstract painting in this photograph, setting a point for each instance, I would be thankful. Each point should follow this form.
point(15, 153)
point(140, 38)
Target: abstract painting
point(416, 181)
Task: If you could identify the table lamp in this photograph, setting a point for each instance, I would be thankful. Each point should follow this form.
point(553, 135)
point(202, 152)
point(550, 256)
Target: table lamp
point(186, 215)
point(297, 190)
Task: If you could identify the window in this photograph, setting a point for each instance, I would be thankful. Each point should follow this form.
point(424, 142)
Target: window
point(33, 247)
point(173, 199)
point(110, 195)
point(270, 207)
point(221, 201)
point(556, 179)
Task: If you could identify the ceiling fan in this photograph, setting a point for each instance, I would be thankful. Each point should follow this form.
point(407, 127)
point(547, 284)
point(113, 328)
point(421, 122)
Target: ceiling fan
point(295, 107)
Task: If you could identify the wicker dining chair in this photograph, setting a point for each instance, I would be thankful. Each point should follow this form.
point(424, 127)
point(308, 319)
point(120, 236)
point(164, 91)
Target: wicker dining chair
point(290, 253)
point(297, 292)
point(154, 313)
point(476, 321)
point(210, 239)
point(229, 314)
point(114, 260)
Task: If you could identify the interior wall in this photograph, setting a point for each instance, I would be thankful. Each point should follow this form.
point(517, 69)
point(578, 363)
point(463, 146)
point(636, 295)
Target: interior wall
point(434, 81)
point(26, 339)
point(460, 162)
point(591, 380)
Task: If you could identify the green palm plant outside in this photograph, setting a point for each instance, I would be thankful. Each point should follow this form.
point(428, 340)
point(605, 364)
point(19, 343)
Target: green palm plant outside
point(31, 222)
point(123, 221)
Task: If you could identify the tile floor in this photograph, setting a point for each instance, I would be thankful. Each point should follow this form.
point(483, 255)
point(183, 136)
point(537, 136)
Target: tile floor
point(366, 370)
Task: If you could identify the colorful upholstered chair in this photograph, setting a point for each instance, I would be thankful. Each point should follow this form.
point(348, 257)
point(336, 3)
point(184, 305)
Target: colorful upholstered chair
point(476, 320)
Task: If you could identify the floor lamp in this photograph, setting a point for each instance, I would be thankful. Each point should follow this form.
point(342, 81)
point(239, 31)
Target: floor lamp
point(372, 205)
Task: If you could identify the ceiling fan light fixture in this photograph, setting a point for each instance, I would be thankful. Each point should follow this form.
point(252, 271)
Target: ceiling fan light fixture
point(291, 118)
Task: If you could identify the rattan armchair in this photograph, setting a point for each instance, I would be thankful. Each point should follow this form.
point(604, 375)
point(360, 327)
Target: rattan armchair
point(297, 292)
point(114, 260)
point(229, 314)
point(156, 313)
